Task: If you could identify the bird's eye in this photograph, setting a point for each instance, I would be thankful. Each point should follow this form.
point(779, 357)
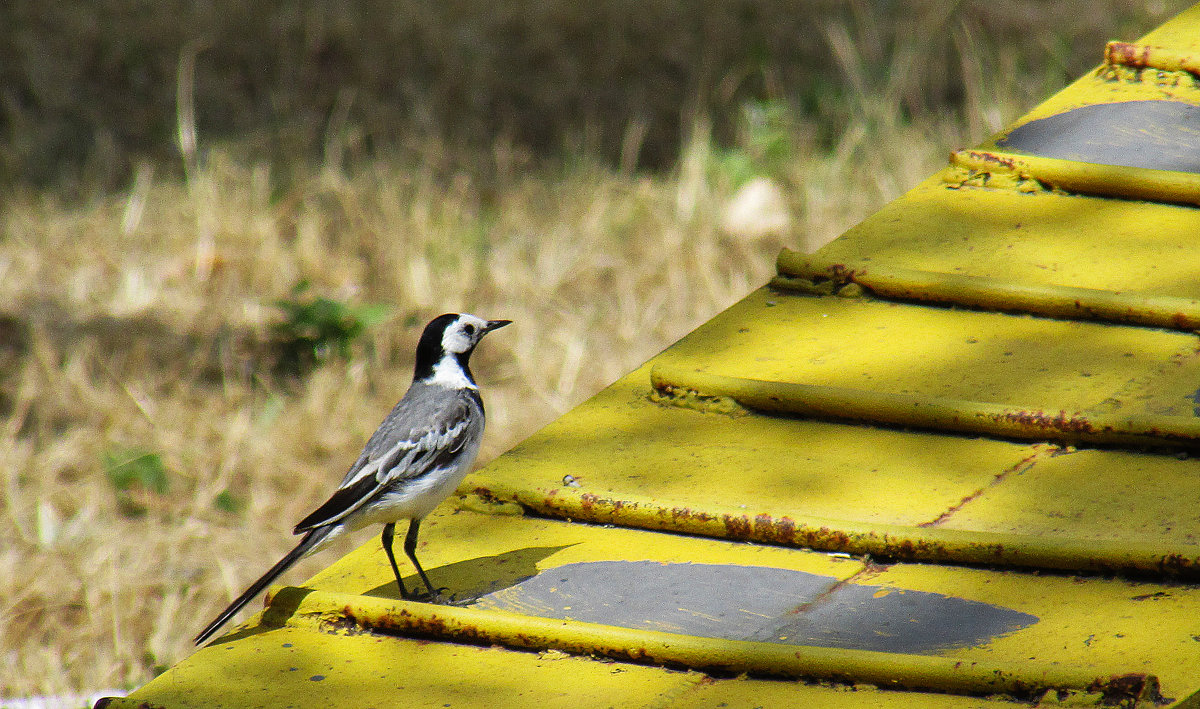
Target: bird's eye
point(469, 329)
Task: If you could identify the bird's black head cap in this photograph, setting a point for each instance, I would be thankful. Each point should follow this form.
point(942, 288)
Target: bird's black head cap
point(429, 349)
point(451, 334)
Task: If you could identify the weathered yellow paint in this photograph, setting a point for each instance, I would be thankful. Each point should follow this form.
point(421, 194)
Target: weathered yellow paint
point(895, 348)
point(733, 693)
point(339, 611)
point(469, 549)
point(468, 554)
point(623, 446)
point(300, 668)
point(1068, 609)
point(935, 413)
point(1033, 238)
point(802, 272)
point(1130, 498)
point(983, 169)
point(838, 410)
point(343, 644)
point(1086, 546)
point(1115, 79)
point(1178, 33)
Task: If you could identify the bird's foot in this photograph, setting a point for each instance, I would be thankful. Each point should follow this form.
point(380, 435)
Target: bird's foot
point(439, 597)
point(454, 600)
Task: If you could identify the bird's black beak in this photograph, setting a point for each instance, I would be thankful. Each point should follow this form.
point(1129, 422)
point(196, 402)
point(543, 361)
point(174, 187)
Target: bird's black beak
point(496, 324)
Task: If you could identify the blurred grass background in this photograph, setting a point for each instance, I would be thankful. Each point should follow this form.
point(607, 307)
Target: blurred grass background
point(223, 225)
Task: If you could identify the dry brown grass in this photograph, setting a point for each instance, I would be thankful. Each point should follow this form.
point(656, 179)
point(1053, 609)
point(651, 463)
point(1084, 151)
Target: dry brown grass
point(138, 320)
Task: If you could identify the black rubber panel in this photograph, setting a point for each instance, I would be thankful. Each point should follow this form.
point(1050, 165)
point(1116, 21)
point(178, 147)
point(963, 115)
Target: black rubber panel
point(1161, 135)
point(757, 603)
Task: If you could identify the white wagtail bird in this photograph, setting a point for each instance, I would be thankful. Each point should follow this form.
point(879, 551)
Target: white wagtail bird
point(416, 458)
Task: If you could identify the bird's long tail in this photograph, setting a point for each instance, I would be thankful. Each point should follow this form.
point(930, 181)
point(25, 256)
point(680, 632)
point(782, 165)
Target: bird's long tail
point(310, 540)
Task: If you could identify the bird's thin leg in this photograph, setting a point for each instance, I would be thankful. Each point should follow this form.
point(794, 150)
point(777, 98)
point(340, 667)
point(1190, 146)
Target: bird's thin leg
point(410, 548)
point(388, 530)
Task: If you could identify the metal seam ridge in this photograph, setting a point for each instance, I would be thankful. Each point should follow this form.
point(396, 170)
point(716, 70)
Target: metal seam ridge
point(341, 611)
point(1049, 300)
point(1120, 181)
point(880, 540)
point(934, 413)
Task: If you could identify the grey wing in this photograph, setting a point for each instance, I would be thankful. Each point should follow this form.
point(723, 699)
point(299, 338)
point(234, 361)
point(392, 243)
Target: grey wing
point(397, 453)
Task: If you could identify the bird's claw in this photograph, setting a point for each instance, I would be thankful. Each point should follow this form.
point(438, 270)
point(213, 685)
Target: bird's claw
point(445, 598)
point(454, 600)
point(439, 597)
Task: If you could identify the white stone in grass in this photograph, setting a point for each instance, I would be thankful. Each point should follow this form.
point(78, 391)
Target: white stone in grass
point(756, 211)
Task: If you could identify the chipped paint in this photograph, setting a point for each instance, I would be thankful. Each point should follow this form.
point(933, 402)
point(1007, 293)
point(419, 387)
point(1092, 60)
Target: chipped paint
point(714, 655)
point(1141, 56)
point(688, 399)
point(936, 413)
point(1070, 176)
point(988, 293)
point(879, 541)
point(1020, 467)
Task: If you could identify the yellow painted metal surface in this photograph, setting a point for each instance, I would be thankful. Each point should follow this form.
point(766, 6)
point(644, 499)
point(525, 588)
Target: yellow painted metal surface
point(340, 634)
point(808, 273)
point(959, 440)
point(301, 668)
point(748, 466)
point(1130, 496)
point(1034, 238)
point(895, 348)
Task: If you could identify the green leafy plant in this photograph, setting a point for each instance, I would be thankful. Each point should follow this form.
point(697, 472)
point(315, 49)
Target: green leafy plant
point(765, 145)
point(135, 473)
point(315, 328)
point(225, 501)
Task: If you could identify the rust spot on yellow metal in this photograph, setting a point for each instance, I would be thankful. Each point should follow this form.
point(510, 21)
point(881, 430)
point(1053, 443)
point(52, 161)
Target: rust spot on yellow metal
point(1134, 686)
point(994, 294)
point(1127, 54)
point(1058, 423)
point(985, 159)
point(1081, 177)
point(843, 273)
point(880, 541)
point(688, 399)
point(936, 413)
point(1142, 56)
point(717, 656)
point(122, 703)
point(1020, 467)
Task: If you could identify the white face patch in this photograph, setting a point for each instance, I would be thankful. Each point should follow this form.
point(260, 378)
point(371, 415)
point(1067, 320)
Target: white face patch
point(463, 334)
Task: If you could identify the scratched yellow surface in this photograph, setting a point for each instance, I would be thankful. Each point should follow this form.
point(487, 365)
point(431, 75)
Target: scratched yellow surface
point(733, 693)
point(704, 465)
point(902, 348)
point(1178, 34)
point(1092, 494)
point(1149, 626)
point(300, 668)
point(1043, 237)
point(1098, 623)
point(621, 445)
point(468, 548)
